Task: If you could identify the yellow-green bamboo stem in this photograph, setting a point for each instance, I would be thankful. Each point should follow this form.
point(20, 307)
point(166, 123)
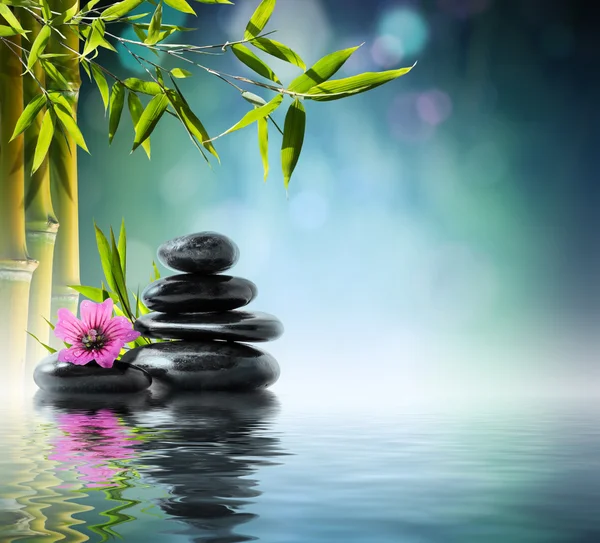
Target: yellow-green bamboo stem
point(15, 266)
point(41, 222)
point(63, 176)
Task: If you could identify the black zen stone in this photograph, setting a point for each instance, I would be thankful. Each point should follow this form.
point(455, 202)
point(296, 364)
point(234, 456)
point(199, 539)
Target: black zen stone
point(206, 365)
point(63, 377)
point(229, 325)
point(188, 293)
point(204, 253)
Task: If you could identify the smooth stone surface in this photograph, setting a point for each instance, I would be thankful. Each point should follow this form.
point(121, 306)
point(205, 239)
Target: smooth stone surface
point(63, 377)
point(206, 365)
point(188, 293)
point(204, 252)
point(229, 325)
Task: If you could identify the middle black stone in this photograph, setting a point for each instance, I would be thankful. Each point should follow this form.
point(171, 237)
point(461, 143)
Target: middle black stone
point(189, 293)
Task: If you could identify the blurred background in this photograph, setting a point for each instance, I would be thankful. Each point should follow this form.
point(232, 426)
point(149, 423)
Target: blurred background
point(441, 233)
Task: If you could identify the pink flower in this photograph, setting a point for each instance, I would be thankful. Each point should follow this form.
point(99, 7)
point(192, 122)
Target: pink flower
point(97, 336)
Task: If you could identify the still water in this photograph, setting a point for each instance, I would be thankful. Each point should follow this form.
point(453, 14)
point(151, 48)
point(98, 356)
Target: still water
point(232, 468)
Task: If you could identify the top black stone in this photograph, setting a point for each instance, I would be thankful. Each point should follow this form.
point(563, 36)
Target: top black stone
point(203, 253)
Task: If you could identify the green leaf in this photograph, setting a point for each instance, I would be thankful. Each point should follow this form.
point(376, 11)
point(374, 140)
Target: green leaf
point(7, 31)
point(95, 294)
point(39, 45)
point(119, 275)
point(259, 19)
point(96, 38)
point(67, 15)
point(154, 28)
point(214, 1)
point(105, 257)
point(53, 73)
point(115, 108)
point(101, 83)
point(140, 307)
point(322, 70)
point(52, 327)
point(179, 73)
point(145, 87)
point(254, 99)
point(135, 110)
point(192, 123)
point(342, 88)
point(180, 5)
point(10, 18)
point(29, 114)
point(155, 272)
point(149, 118)
point(263, 143)
point(120, 9)
point(293, 137)
point(89, 6)
point(279, 50)
point(256, 114)
point(44, 139)
point(253, 62)
point(64, 112)
point(122, 246)
point(51, 350)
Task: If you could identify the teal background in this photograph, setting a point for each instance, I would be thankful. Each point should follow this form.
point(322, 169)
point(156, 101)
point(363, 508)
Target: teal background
point(440, 230)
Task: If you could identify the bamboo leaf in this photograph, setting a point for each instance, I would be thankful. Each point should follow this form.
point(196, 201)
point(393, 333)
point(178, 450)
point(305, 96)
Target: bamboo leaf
point(254, 99)
point(115, 108)
point(293, 137)
point(256, 114)
point(145, 87)
point(155, 272)
point(279, 50)
point(51, 350)
point(29, 114)
point(179, 73)
point(263, 143)
point(7, 31)
point(119, 275)
point(67, 15)
point(101, 83)
point(10, 18)
point(96, 38)
point(149, 118)
point(95, 294)
point(349, 86)
point(135, 110)
point(64, 112)
point(322, 70)
point(253, 62)
point(44, 139)
point(39, 45)
point(46, 11)
point(120, 9)
point(259, 19)
point(53, 73)
point(122, 246)
point(214, 1)
point(52, 326)
point(105, 257)
point(155, 24)
point(180, 5)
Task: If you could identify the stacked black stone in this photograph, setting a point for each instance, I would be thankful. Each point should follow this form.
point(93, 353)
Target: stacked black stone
point(199, 309)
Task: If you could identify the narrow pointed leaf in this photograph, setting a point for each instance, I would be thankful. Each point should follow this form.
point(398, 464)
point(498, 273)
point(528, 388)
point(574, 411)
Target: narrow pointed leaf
point(122, 246)
point(179, 73)
point(293, 138)
point(256, 114)
point(51, 350)
point(180, 5)
point(67, 15)
point(254, 99)
point(101, 83)
point(115, 108)
point(154, 28)
point(259, 19)
point(7, 31)
point(53, 73)
point(253, 62)
point(64, 112)
point(135, 110)
point(145, 87)
point(39, 45)
point(149, 118)
point(322, 70)
point(29, 114)
point(155, 272)
point(105, 257)
point(214, 1)
point(342, 88)
point(95, 294)
point(263, 144)
point(120, 9)
point(119, 275)
point(279, 50)
point(44, 139)
point(10, 18)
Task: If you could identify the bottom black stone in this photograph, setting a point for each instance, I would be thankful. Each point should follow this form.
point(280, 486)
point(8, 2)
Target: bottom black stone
point(206, 365)
point(63, 377)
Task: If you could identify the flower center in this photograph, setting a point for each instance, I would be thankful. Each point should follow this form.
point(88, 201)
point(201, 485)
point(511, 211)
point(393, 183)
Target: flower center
point(93, 340)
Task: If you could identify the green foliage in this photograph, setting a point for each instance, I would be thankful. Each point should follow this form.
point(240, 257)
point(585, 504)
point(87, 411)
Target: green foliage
point(95, 29)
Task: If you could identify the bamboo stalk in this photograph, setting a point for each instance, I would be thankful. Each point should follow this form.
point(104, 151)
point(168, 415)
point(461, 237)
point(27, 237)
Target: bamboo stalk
point(16, 267)
point(41, 223)
point(63, 176)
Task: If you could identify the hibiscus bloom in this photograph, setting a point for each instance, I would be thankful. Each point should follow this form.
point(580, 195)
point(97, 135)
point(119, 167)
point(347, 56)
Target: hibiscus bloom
point(96, 336)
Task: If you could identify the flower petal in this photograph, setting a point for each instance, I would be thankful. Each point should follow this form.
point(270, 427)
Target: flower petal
point(69, 328)
point(120, 328)
point(75, 355)
point(96, 316)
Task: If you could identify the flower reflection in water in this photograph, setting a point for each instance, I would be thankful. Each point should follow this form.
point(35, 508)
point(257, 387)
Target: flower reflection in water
point(94, 445)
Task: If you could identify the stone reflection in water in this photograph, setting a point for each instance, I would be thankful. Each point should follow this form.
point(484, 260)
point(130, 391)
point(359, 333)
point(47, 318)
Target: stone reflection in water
point(209, 444)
